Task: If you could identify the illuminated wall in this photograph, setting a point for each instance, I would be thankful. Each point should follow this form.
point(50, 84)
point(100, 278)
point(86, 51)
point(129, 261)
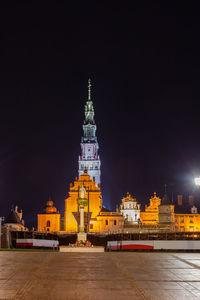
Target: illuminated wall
point(101, 220)
point(110, 222)
point(150, 216)
point(49, 220)
point(188, 222)
point(93, 195)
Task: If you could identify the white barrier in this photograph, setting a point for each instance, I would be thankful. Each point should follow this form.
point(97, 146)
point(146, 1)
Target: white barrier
point(154, 245)
point(37, 243)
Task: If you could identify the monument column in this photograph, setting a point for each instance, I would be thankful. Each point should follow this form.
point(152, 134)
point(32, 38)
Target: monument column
point(82, 201)
point(81, 226)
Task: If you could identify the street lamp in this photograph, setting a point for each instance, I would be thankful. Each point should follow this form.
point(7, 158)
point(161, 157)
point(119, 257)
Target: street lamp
point(197, 181)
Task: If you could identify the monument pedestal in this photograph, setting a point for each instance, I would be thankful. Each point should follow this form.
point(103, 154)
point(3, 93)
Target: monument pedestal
point(82, 236)
point(81, 249)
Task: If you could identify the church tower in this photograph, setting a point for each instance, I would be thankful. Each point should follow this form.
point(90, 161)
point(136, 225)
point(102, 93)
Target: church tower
point(89, 159)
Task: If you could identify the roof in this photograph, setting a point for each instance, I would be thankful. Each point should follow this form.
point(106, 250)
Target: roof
point(165, 200)
point(185, 208)
point(13, 218)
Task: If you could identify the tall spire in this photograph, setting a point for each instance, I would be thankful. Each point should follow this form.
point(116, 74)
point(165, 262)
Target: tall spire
point(89, 109)
point(89, 158)
point(89, 89)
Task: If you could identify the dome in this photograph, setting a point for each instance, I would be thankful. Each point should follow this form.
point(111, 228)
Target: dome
point(13, 218)
point(50, 203)
point(50, 209)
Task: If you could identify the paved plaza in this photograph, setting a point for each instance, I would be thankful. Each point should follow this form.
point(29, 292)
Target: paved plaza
point(54, 275)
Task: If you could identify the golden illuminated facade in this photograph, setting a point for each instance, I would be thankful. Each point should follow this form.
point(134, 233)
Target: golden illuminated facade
point(109, 222)
point(96, 218)
point(188, 222)
point(91, 211)
point(150, 215)
point(164, 217)
point(49, 220)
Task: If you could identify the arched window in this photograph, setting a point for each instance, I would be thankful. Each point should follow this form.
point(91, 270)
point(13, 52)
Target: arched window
point(48, 223)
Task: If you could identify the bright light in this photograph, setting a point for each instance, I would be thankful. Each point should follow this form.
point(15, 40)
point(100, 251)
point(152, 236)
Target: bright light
point(197, 181)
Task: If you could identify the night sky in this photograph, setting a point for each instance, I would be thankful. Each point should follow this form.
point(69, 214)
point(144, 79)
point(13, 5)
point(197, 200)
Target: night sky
point(144, 63)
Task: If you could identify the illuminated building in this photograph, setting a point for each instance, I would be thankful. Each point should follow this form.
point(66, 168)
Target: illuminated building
point(93, 194)
point(171, 217)
point(166, 215)
point(96, 217)
point(188, 222)
point(89, 158)
point(150, 215)
point(130, 209)
point(49, 220)
point(187, 217)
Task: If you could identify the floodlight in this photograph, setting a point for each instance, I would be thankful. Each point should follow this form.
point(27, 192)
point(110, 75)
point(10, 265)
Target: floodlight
point(197, 181)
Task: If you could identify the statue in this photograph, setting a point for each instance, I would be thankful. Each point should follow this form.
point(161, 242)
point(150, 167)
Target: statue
point(82, 192)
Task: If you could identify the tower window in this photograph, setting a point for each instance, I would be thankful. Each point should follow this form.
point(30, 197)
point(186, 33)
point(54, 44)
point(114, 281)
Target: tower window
point(48, 223)
point(115, 222)
point(106, 222)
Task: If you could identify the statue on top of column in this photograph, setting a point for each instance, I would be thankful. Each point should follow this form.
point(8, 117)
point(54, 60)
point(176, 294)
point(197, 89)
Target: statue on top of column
point(82, 192)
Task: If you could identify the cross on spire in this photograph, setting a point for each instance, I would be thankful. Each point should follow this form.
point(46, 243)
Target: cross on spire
point(89, 89)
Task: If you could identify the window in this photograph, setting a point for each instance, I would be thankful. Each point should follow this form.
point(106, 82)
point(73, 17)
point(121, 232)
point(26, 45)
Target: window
point(106, 222)
point(91, 226)
point(48, 223)
point(115, 222)
point(182, 220)
point(191, 220)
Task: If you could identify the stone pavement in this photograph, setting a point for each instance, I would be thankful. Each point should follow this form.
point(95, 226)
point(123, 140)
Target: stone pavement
point(57, 276)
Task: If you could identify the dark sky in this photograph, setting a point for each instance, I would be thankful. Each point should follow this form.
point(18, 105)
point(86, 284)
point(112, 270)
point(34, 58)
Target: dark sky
point(144, 62)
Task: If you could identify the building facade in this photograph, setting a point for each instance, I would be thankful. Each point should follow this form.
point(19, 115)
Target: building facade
point(130, 209)
point(150, 216)
point(49, 219)
point(165, 216)
point(166, 220)
point(97, 219)
point(94, 201)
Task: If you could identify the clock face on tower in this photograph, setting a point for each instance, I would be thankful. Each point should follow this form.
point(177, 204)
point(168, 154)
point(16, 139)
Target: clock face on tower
point(89, 150)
